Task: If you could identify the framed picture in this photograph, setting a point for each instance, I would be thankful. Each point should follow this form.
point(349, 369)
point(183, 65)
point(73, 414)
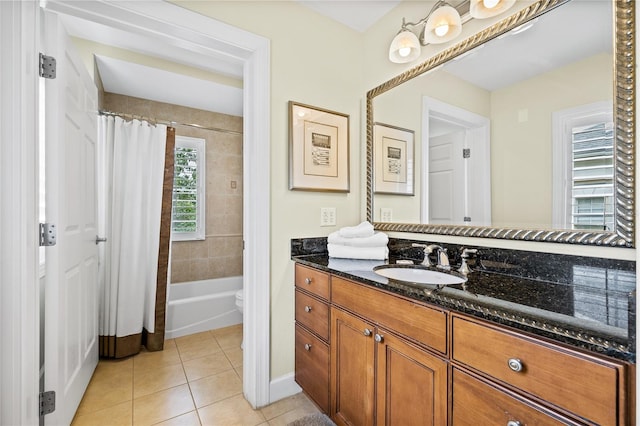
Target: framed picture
point(392, 160)
point(318, 149)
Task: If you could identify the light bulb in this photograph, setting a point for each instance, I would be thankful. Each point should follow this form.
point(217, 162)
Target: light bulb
point(490, 4)
point(441, 30)
point(404, 51)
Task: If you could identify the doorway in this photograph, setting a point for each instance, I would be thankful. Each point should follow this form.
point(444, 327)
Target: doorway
point(200, 42)
point(456, 165)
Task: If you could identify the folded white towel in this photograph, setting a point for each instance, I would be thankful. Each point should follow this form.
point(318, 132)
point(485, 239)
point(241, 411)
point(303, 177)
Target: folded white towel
point(346, 252)
point(376, 240)
point(365, 229)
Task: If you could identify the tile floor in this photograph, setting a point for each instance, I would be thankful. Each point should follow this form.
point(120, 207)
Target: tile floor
point(195, 380)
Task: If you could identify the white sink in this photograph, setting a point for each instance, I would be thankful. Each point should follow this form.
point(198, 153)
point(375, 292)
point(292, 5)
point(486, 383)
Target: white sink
point(417, 274)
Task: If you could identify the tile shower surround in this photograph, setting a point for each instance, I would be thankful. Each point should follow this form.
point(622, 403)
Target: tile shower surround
point(584, 301)
point(220, 254)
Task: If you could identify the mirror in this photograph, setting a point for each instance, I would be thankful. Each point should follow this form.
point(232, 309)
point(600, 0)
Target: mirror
point(543, 124)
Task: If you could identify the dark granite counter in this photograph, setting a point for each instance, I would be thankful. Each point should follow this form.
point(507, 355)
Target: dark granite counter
point(584, 302)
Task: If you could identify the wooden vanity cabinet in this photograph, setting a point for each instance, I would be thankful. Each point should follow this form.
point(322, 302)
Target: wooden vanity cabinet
point(378, 377)
point(371, 357)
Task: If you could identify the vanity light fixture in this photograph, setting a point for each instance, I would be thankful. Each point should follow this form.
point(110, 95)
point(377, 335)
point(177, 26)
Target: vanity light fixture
point(442, 24)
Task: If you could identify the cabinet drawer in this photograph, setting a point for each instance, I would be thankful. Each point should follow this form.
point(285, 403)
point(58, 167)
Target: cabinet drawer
point(411, 319)
point(312, 367)
point(582, 384)
point(313, 281)
point(313, 314)
point(475, 402)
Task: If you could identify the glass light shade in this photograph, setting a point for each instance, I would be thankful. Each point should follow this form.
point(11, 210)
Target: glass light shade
point(405, 47)
point(481, 9)
point(443, 25)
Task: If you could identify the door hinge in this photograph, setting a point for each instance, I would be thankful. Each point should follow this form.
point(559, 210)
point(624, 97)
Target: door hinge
point(467, 219)
point(47, 66)
point(47, 234)
point(466, 152)
point(47, 402)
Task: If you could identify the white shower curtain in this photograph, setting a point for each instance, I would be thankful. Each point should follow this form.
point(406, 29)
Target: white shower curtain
point(131, 156)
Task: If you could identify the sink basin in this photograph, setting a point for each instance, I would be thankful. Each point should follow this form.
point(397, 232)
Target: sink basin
point(418, 274)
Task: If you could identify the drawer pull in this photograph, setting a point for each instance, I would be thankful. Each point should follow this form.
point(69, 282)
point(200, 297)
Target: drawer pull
point(516, 365)
point(307, 346)
point(378, 338)
point(307, 308)
point(307, 280)
point(366, 332)
point(513, 423)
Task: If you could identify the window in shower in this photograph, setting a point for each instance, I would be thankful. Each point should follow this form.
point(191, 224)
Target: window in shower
point(188, 201)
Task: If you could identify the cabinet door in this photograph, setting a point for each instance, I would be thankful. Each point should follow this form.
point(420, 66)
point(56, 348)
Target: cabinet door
point(352, 369)
point(411, 384)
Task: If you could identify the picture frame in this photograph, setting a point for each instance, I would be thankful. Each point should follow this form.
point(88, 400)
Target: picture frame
point(318, 149)
point(393, 160)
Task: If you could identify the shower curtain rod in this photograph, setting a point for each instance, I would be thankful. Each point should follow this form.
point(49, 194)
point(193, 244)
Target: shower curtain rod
point(168, 123)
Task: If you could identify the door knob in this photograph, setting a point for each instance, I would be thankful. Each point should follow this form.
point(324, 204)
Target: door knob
point(366, 332)
point(378, 338)
point(307, 308)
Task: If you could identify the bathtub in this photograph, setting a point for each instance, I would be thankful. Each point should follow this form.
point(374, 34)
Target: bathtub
point(198, 306)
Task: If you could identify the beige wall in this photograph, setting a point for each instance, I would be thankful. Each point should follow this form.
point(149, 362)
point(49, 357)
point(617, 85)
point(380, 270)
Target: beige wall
point(220, 253)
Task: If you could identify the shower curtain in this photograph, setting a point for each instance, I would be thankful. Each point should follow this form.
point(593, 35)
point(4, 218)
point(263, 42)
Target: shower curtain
point(132, 170)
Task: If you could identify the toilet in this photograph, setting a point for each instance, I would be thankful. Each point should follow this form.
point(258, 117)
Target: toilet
point(240, 307)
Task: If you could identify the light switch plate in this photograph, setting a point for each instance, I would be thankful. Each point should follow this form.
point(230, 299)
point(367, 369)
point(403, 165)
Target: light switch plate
point(386, 215)
point(328, 216)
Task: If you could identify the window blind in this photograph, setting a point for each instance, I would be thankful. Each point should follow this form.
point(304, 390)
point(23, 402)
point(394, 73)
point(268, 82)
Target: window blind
point(592, 177)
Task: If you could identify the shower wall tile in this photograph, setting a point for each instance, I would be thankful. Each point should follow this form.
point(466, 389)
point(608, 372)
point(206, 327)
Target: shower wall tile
point(220, 254)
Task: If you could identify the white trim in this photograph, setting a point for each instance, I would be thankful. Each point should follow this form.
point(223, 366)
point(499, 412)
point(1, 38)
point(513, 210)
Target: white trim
point(477, 130)
point(562, 123)
point(175, 26)
point(283, 387)
point(19, 284)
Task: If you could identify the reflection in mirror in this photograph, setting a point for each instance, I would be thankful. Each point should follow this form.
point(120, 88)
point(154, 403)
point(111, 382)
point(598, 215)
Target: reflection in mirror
point(516, 134)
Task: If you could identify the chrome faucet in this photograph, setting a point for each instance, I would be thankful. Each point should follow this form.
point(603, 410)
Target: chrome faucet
point(441, 255)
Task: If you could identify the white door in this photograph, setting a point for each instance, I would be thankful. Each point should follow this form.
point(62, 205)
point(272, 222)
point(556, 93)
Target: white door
point(447, 179)
point(71, 294)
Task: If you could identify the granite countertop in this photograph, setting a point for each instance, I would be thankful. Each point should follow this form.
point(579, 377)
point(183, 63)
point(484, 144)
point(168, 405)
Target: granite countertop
point(575, 313)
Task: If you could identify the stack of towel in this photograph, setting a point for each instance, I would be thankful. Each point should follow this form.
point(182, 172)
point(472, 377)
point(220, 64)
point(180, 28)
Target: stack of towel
point(358, 242)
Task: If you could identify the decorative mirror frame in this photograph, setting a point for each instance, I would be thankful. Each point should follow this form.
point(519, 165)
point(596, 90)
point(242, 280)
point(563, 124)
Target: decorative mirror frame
point(624, 107)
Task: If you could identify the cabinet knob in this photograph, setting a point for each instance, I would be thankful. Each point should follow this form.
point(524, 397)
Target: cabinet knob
point(513, 423)
point(366, 332)
point(307, 308)
point(307, 280)
point(307, 346)
point(516, 365)
point(378, 338)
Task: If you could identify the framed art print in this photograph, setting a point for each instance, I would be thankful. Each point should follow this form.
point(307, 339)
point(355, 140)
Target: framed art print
point(318, 149)
point(393, 160)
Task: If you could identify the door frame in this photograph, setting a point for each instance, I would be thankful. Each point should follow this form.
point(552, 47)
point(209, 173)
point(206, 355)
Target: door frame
point(19, 270)
point(474, 124)
point(19, 303)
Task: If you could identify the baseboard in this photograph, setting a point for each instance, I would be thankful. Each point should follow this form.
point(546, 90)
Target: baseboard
point(282, 387)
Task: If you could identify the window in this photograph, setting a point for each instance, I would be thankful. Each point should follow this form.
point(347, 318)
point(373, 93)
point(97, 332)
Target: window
point(188, 200)
point(584, 168)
